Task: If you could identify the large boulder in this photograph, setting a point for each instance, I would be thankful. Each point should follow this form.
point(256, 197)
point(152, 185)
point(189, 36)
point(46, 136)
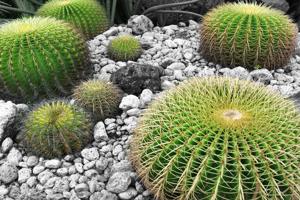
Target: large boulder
point(134, 78)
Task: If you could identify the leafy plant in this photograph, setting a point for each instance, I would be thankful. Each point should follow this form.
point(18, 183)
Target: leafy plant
point(86, 15)
point(100, 98)
point(40, 57)
point(124, 48)
point(249, 35)
point(219, 138)
point(56, 129)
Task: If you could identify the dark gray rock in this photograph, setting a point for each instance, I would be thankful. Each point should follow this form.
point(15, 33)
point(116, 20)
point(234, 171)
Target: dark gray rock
point(135, 77)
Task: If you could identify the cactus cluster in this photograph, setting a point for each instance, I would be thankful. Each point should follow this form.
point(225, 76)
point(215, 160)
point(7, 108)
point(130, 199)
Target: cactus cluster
point(40, 57)
point(102, 99)
point(219, 138)
point(124, 48)
point(56, 129)
point(86, 15)
point(247, 34)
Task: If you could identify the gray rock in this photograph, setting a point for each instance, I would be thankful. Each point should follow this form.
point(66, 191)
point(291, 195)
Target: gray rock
point(31, 181)
point(90, 154)
point(261, 75)
point(32, 161)
point(24, 175)
point(140, 24)
point(117, 149)
point(128, 194)
point(102, 163)
point(14, 156)
point(61, 185)
point(133, 78)
point(6, 144)
point(53, 164)
point(8, 113)
point(62, 171)
point(100, 132)
point(129, 102)
point(111, 32)
point(122, 166)
point(3, 190)
point(279, 4)
point(145, 97)
point(38, 169)
point(103, 195)
point(82, 190)
point(176, 66)
point(44, 176)
point(237, 72)
point(8, 172)
point(119, 182)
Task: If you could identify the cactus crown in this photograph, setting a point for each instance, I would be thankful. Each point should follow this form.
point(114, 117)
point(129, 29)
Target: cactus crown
point(56, 129)
point(247, 34)
point(219, 138)
point(40, 57)
point(124, 48)
point(99, 97)
point(86, 15)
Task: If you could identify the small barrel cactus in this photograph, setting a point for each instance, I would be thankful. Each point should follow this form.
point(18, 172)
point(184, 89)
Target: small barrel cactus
point(247, 34)
point(99, 97)
point(219, 138)
point(56, 129)
point(124, 48)
point(40, 57)
point(86, 15)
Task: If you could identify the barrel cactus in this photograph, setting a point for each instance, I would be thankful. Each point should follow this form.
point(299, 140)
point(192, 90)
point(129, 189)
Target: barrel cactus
point(86, 15)
point(248, 34)
point(124, 48)
point(40, 57)
point(102, 99)
point(55, 129)
point(219, 138)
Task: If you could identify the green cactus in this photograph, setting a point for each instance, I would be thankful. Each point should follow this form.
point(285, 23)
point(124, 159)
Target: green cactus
point(219, 138)
point(56, 129)
point(100, 98)
point(247, 34)
point(124, 48)
point(86, 15)
point(40, 57)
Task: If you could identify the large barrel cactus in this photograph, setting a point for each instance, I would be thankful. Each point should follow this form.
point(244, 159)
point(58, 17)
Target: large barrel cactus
point(40, 57)
point(86, 15)
point(56, 129)
point(219, 138)
point(248, 34)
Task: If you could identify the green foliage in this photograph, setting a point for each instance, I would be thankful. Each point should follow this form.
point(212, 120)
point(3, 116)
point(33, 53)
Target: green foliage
point(219, 138)
point(56, 129)
point(124, 48)
point(247, 34)
point(86, 15)
point(40, 57)
point(100, 98)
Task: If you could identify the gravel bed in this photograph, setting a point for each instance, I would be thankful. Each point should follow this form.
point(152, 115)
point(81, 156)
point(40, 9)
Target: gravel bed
point(102, 171)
